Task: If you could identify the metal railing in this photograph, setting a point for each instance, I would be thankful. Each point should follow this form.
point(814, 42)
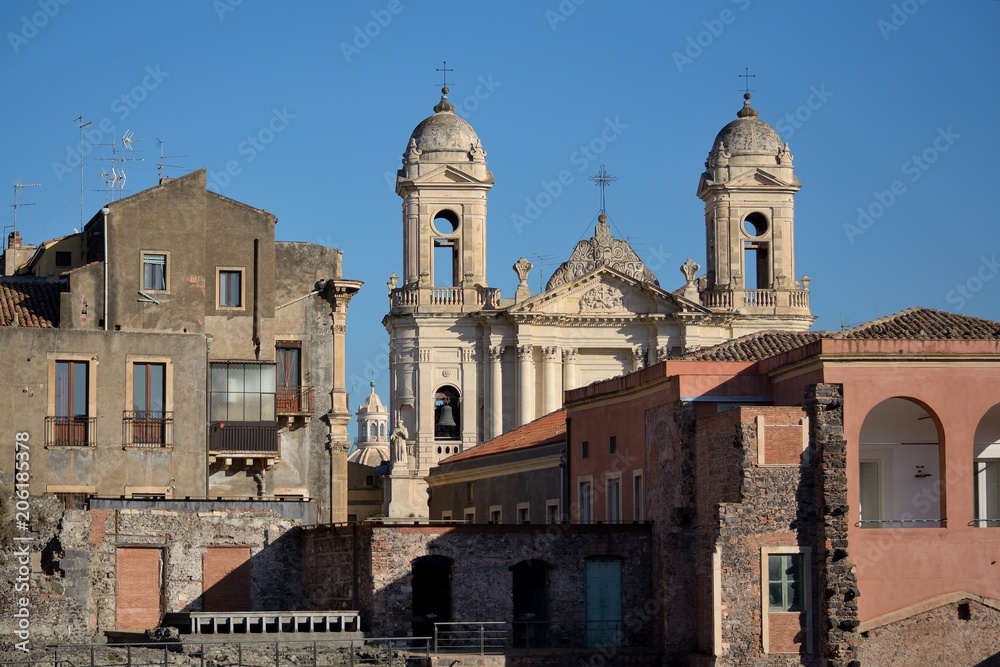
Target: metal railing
point(256, 438)
point(491, 637)
point(902, 523)
point(295, 400)
point(147, 429)
point(70, 431)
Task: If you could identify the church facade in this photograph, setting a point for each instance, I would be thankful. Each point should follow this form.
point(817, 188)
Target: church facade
point(468, 365)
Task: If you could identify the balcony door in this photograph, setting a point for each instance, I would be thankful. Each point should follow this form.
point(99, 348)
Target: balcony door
point(149, 390)
point(289, 358)
point(71, 403)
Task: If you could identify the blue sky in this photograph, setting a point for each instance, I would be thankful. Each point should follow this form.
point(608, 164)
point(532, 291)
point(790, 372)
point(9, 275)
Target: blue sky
point(889, 107)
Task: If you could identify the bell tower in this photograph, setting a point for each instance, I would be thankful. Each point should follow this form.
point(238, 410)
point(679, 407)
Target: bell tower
point(749, 188)
point(443, 183)
point(435, 350)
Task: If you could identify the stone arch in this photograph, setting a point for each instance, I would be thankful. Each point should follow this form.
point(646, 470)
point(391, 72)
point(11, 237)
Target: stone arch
point(986, 453)
point(901, 480)
point(447, 413)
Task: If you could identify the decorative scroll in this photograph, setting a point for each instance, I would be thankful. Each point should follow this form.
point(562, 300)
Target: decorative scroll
point(601, 250)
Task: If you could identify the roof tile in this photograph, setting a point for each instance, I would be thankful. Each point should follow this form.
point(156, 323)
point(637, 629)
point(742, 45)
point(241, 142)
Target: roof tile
point(544, 430)
point(30, 302)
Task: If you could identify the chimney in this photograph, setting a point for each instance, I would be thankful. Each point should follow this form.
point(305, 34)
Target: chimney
point(14, 239)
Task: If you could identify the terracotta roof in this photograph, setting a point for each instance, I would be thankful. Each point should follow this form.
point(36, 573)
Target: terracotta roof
point(909, 324)
point(755, 346)
point(925, 324)
point(30, 302)
point(543, 431)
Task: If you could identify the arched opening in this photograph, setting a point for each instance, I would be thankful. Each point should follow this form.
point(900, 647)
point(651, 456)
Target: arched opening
point(447, 413)
point(531, 603)
point(371, 431)
point(756, 255)
point(431, 590)
point(899, 470)
point(987, 468)
point(381, 431)
point(446, 250)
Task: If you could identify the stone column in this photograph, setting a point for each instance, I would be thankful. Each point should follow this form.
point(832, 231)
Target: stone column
point(569, 368)
point(496, 391)
point(525, 379)
point(551, 399)
point(339, 294)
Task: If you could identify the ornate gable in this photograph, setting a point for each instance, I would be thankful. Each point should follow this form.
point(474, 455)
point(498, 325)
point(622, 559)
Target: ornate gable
point(446, 174)
point(601, 293)
point(602, 249)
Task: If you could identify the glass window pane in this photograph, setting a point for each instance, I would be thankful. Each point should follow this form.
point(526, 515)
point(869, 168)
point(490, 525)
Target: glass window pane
point(139, 388)
point(267, 378)
point(157, 389)
point(267, 407)
point(220, 378)
point(62, 389)
point(774, 598)
point(774, 568)
point(251, 376)
point(79, 408)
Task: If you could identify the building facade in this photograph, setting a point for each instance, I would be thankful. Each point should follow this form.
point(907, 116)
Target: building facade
point(160, 363)
point(467, 365)
point(811, 493)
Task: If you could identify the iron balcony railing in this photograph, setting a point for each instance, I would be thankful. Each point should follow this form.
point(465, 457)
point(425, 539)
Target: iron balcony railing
point(295, 400)
point(146, 428)
point(70, 431)
point(243, 438)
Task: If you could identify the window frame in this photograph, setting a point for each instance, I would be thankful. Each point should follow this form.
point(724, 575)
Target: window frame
point(54, 359)
point(131, 361)
point(613, 498)
point(805, 553)
point(585, 513)
point(166, 270)
point(638, 496)
point(227, 270)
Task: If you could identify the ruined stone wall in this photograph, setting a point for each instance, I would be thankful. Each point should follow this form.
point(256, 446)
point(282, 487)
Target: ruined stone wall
point(481, 557)
point(670, 504)
point(73, 587)
point(744, 507)
point(963, 633)
point(836, 572)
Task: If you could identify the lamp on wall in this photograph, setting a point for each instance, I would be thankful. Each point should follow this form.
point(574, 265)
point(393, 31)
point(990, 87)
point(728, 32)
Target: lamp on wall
point(921, 473)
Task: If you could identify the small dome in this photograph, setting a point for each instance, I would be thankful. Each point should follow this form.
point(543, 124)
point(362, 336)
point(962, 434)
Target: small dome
point(748, 135)
point(444, 132)
point(372, 403)
point(370, 455)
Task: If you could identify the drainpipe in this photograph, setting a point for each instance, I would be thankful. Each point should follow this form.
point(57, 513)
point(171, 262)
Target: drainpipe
point(256, 311)
point(104, 212)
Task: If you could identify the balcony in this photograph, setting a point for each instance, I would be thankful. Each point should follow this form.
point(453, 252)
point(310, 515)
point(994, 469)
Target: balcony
point(147, 430)
point(70, 431)
point(295, 401)
point(445, 297)
point(758, 301)
point(252, 441)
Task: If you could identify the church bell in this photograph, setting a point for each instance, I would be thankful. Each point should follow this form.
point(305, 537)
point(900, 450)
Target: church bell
point(445, 418)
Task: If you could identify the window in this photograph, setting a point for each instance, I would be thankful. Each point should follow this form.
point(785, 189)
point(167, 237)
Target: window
point(242, 392)
point(470, 515)
point(446, 515)
point(292, 397)
point(496, 514)
point(613, 444)
point(154, 272)
point(230, 288)
point(523, 513)
point(986, 488)
point(586, 501)
point(64, 258)
point(614, 486)
point(786, 611)
point(585, 449)
point(470, 492)
point(637, 496)
point(552, 511)
point(148, 423)
point(784, 582)
point(71, 425)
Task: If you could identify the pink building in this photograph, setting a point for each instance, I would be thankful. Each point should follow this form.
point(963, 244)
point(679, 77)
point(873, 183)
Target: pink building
point(817, 498)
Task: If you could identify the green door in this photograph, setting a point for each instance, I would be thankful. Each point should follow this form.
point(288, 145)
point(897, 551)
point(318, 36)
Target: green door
point(604, 601)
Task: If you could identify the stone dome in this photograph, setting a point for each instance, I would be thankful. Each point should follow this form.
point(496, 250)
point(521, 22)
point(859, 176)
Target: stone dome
point(444, 132)
point(748, 135)
point(372, 403)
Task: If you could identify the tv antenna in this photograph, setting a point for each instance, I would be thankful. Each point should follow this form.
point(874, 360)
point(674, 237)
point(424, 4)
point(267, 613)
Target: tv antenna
point(117, 177)
point(80, 124)
point(160, 165)
point(16, 205)
point(542, 261)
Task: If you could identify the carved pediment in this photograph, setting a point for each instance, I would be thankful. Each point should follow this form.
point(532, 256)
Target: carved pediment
point(601, 250)
point(603, 292)
point(757, 177)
